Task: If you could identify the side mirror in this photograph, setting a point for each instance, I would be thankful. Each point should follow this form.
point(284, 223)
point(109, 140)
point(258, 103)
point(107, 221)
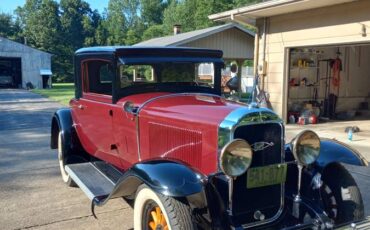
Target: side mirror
point(130, 107)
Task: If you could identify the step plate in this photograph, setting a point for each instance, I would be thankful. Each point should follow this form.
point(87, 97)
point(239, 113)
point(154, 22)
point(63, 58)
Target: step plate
point(92, 181)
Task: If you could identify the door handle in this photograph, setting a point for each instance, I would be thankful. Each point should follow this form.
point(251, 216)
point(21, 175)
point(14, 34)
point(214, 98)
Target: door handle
point(80, 107)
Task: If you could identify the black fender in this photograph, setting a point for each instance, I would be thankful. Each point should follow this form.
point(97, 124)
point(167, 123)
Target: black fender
point(169, 178)
point(332, 151)
point(332, 154)
point(336, 151)
point(165, 177)
point(61, 121)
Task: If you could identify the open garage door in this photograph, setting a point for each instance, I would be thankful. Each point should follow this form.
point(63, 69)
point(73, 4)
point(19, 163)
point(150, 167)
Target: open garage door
point(10, 72)
point(329, 83)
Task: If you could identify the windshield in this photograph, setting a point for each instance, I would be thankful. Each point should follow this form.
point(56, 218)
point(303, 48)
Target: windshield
point(200, 74)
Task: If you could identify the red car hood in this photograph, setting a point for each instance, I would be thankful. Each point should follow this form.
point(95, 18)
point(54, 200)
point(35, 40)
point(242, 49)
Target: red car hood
point(183, 127)
point(196, 108)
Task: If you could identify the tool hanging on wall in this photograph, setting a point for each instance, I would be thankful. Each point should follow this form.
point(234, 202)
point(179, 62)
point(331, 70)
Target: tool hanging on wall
point(336, 66)
point(327, 79)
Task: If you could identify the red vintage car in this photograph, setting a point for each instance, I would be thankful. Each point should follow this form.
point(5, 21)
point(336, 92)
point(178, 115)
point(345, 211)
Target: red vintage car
point(150, 125)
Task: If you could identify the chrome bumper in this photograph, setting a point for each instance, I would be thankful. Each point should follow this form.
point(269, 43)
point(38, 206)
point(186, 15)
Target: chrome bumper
point(361, 225)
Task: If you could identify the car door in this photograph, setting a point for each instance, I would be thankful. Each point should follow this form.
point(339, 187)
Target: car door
point(94, 110)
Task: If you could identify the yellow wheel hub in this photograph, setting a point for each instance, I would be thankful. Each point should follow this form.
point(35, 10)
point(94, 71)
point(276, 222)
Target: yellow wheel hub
point(157, 220)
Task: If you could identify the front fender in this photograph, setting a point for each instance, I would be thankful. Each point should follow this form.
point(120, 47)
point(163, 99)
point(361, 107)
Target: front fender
point(336, 151)
point(169, 178)
point(332, 151)
point(164, 177)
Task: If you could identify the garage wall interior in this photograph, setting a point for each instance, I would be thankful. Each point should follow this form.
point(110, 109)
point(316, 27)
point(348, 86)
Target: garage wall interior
point(331, 27)
point(313, 77)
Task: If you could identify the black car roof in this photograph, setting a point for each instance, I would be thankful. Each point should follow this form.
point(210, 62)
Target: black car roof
point(137, 51)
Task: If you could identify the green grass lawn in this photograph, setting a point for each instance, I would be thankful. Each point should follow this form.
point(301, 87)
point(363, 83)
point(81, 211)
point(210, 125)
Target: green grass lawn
point(61, 92)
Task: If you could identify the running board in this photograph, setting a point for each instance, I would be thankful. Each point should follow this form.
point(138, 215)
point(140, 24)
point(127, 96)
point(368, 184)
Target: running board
point(96, 179)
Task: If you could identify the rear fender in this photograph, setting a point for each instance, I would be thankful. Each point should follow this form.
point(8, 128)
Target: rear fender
point(61, 122)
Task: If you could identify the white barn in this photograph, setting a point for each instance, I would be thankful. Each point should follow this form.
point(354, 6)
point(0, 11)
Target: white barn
point(25, 64)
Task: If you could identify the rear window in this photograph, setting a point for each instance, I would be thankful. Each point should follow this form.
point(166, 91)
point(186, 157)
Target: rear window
point(198, 74)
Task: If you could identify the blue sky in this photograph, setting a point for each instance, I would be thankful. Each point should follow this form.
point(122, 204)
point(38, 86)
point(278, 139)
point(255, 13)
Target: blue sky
point(8, 6)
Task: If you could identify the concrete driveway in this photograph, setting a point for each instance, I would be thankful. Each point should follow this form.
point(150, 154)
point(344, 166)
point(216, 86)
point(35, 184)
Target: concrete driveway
point(32, 194)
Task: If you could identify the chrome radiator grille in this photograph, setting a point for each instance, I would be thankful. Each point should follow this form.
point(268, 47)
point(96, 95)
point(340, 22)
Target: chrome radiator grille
point(266, 139)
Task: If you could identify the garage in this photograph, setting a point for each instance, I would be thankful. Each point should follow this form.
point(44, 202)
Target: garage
point(22, 66)
point(10, 72)
point(296, 44)
point(328, 83)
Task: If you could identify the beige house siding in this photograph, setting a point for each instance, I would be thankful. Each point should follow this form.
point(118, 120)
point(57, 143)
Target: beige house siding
point(339, 24)
point(232, 50)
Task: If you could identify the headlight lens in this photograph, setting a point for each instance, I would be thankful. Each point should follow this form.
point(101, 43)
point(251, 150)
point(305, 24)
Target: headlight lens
point(306, 147)
point(236, 157)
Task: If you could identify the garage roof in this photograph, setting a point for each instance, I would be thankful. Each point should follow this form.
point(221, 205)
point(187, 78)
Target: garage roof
point(249, 14)
point(183, 38)
point(7, 45)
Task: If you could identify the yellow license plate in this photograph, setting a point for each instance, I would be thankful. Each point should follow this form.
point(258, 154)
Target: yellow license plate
point(266, 175)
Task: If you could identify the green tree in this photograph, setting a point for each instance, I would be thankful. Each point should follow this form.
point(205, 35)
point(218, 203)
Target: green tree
point(208, 7)
point(179, 12)
point(61, 28)
point(72, 17)
point(41, 25)
point(42, 29)
point(76, 26)
point(26, 18)
point(90, 25)
point(115, 23)
point(134, 33)
point(153, 32)
point(9, 28)
point(152, 11)
point(101, 32)
point(193, 14)
point(130, 11)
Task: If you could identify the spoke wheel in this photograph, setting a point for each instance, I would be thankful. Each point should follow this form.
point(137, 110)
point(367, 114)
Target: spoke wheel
point(330, 202)
point(341, 196)
point(155, 217)
point(153, 211)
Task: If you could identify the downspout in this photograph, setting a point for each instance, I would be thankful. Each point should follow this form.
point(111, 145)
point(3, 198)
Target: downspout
point(261, 80)
point(256, 43)
point(256, 52)
point(264, 52)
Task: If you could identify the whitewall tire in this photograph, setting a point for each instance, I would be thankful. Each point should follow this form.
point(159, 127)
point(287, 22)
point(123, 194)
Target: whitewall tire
point(61, 159)
point(155, 211)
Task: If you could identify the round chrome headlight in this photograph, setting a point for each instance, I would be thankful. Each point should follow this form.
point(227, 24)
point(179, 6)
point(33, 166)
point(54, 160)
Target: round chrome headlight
point(306, 147)
point(236, 157)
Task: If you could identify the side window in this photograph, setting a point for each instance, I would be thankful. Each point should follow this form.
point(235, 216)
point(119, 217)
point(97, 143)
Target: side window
point(204, 74)
point(105, 74)
point(136, 74)
point(98, 77)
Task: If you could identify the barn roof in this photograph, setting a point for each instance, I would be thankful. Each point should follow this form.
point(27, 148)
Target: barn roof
point(183, 38)
point(6, 45)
